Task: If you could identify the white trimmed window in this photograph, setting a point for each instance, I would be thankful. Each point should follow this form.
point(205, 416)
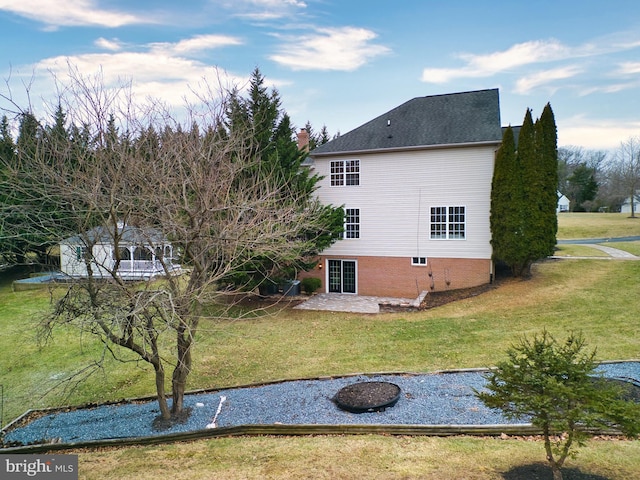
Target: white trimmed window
point(352, 223)
point(345, 172)
point(419, 261)
point(448, 223)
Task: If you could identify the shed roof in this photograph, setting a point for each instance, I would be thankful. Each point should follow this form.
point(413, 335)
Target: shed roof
point(456, 118)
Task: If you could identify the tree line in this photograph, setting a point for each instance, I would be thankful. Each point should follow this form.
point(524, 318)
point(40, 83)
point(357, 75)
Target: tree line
point(226, 186)
point(598, 180)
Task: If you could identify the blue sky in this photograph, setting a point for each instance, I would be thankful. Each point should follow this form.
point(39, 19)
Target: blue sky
point(341, 63)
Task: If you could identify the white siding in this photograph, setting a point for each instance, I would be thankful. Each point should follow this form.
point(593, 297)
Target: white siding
point(72, 266)
point(396, 192)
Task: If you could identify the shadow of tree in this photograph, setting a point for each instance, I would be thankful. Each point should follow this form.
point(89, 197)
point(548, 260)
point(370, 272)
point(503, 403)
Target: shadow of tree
point(542, 471)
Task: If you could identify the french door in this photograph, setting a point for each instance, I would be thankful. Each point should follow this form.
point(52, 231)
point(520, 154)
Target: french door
point(342, 276)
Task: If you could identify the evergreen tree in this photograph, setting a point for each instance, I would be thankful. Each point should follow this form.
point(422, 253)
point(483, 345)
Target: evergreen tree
point(532, 185)
point(317, 139)
point(272, 140)
point(547, 145)
point(507, 214)
point(17, 223)
point(582, 186)
point(7, 205)
point(556, 385)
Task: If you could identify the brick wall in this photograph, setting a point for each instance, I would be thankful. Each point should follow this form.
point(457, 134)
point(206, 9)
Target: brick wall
point(396, 277)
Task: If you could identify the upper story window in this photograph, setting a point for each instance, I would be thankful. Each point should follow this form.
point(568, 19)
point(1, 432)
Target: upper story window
point(352, 223)
point(345, 172)
point(448, 223)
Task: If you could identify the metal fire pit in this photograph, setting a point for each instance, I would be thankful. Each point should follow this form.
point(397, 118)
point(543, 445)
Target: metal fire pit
point(367, 397)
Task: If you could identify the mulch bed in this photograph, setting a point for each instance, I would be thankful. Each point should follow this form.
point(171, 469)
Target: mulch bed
point(436, 299)
point(367, 396)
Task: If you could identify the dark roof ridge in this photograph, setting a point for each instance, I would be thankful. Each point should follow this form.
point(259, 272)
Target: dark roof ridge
point(444, 119)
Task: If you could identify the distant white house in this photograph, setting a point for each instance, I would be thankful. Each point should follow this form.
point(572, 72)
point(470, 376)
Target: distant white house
point(626, 206)
point(129, 252)
point(563, 203)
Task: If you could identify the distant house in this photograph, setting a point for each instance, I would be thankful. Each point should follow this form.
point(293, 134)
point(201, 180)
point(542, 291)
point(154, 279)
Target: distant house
point(415, 184)
point(563, 203)
point(626, 206)
point(129, 252)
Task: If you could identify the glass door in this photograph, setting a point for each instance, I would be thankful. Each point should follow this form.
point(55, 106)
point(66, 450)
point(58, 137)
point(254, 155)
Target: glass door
point(342, 276)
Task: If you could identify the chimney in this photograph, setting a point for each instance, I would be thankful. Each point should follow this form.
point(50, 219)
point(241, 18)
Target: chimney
point(303, 140)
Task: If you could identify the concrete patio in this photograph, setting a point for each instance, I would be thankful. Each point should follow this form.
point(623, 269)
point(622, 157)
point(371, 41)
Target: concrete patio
point(340, 302)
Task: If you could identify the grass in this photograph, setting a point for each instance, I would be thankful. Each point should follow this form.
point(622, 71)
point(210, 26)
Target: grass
point(571, 250)
point(597, 225)
point(599, 298)
point(354, 457)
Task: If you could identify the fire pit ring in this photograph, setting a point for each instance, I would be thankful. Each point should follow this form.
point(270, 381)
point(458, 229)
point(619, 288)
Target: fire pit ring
point(367, 397)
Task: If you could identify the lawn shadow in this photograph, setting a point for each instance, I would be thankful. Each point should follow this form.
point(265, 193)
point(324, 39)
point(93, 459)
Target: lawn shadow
point(542, 471)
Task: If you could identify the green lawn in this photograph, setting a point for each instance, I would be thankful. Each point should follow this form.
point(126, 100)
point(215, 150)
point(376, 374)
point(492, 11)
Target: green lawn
point(600, 298)
point(596, 225)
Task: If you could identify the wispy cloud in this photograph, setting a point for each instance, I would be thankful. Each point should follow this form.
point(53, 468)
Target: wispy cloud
point(106, 44)
point(526, 84)
point(263, 10)
point(345, 49)
point(56, 13)
point(629, 68)
point(487, 65)
point(197, 44)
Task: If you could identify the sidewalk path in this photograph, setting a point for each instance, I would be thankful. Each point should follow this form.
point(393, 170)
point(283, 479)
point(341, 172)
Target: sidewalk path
point(613, 252)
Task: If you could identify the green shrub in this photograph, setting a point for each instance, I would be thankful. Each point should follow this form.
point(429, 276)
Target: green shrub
point(555, 384)
point(310, 285)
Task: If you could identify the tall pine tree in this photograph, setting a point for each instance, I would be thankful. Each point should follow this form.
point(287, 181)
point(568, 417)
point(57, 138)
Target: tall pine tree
point(506, 197)
point(269, 128)
point(547, 144)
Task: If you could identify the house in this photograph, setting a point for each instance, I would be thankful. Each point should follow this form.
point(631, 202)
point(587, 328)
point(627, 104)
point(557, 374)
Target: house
point(129, 252)
point(626, 206)
point(415, 184)
point(563, 203)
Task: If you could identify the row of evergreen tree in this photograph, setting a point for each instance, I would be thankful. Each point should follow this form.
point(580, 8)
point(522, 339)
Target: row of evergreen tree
point(524, 194)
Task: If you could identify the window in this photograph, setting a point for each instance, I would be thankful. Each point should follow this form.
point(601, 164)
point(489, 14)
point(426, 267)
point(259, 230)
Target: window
point(82, 253)
point(448, 223)
point(352, 223)
point(419, 261)
point(142, 253)
point(123, 253)
point(345, 172)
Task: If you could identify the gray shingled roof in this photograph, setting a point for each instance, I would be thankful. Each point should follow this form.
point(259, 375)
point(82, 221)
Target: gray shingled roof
point(457, 118)
point(129, 235)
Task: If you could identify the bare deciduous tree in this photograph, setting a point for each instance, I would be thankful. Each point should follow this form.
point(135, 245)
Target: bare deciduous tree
point(191, 183)
point(624, 170)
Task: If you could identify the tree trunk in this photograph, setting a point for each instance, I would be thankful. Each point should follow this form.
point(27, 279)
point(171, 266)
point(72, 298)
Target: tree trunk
point(182, 369)
point(557, 474)
point(162, 397)
point(555, 466)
